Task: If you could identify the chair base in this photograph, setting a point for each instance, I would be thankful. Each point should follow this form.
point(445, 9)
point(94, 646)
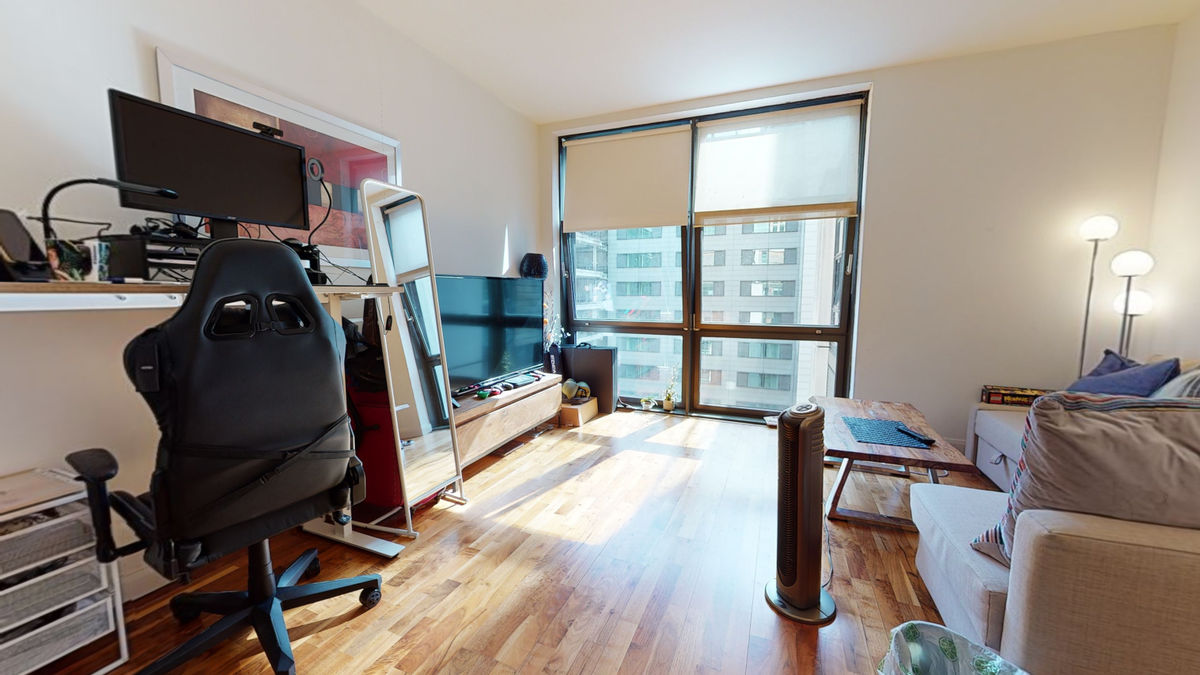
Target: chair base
point(261, 606)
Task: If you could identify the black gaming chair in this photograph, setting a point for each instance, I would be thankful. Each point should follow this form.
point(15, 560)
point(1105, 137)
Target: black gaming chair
point(246, 382)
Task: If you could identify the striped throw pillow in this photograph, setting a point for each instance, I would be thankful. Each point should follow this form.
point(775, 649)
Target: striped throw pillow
point(1186, 385)
point(1124, 457)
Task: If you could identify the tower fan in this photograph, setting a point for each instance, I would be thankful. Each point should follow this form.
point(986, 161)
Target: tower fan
point(796, 592)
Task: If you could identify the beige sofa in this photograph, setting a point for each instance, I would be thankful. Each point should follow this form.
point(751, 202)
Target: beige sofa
point(994, 441)
point(1085, 594)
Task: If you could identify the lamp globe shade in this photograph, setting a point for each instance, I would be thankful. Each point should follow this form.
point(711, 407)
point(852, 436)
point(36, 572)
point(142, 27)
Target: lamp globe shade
point(1132, 263)
point(1140, 303)
point(1099, 228)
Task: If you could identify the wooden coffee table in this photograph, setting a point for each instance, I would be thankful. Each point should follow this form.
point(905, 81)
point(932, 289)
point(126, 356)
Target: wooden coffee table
point(840, 443)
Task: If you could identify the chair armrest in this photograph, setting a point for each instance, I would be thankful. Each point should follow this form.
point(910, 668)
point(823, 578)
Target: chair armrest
point(94, 465)
point(97, 466)
point(1092, 594)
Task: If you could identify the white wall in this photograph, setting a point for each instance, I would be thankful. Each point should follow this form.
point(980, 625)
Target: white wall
point(979, 171)
point(1175, 239)
point(472, 158)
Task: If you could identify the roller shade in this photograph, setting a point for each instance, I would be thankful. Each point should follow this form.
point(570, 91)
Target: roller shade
point(799, 160)
point(637, 179)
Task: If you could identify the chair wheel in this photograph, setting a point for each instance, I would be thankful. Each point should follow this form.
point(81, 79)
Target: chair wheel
point(369, 597)
point(183, 613)
point(313, 569)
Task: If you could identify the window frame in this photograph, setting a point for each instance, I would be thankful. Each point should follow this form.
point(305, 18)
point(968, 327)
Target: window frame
point(692, 329)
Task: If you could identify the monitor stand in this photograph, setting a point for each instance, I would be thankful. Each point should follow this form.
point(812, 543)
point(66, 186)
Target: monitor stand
point(222, 228)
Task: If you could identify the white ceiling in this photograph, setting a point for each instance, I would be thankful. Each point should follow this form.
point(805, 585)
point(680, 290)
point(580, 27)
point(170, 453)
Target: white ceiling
point(568, 58)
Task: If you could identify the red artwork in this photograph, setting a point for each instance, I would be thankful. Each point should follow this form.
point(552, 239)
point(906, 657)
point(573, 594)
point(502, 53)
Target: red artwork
point(346, 165)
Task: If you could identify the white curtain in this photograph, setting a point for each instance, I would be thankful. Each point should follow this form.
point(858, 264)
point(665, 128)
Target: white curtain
point(636, 179)
point(801, 157)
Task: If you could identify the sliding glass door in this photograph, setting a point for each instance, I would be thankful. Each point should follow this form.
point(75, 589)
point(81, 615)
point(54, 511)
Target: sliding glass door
point(728, 273)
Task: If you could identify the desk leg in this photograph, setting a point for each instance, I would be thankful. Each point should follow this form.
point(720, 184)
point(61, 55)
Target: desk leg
point(839, 484)
point(835, 512)
point(345, 533)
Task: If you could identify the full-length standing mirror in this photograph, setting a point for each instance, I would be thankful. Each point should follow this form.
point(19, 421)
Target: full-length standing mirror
point(418, 388)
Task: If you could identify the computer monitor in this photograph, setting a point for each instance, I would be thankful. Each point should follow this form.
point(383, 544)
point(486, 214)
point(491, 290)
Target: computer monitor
point(221, 172)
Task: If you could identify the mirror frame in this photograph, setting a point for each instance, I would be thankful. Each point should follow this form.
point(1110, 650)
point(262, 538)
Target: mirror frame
point(376, 198)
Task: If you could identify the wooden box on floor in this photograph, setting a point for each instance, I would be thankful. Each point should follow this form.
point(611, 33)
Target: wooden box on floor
point(575, 415)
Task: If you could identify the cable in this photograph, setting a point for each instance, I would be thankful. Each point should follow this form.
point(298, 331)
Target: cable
point(347, 270)
point(72, 220)
point(328, 210)
point(269, 230)
point(829, 554)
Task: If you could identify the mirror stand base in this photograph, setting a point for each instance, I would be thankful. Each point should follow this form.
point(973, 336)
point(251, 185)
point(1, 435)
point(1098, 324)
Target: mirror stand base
point(411, 534)
point(346, 535)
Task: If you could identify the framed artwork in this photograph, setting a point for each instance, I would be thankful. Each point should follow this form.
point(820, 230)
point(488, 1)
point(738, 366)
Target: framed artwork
point(348, 152)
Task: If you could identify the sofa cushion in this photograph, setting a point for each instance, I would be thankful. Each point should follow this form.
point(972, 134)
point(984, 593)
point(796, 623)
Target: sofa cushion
point(1135, 381)
point(1003, 429)
point(969, 589)
point(1112, 362)
point(1123, 457)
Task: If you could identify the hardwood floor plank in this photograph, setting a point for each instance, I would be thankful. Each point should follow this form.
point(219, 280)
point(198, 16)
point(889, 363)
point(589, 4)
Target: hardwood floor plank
point(638, 543)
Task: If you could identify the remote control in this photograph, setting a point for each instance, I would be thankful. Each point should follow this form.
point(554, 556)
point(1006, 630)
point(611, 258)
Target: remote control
point(914, 434)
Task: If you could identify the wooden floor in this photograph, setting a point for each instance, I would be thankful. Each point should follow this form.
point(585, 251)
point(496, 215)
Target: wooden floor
point(639, 543)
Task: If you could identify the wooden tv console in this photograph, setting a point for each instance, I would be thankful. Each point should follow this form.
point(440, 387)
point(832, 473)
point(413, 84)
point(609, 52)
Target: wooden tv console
point(486, 424)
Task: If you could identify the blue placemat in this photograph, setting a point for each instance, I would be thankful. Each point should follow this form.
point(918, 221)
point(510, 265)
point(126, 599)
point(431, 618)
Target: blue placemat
point(883, 432)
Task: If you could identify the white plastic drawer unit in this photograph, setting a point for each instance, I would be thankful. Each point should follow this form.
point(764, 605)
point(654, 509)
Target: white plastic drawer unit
point(67, 531)
point(65, 634)
point(71, 580)
point(55, 596)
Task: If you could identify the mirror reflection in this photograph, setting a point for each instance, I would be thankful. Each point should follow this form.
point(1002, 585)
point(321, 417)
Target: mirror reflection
point(412, 340)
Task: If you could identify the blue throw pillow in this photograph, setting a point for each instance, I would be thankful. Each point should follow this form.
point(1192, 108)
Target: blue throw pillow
point(1135, 381)
point(1112, 363)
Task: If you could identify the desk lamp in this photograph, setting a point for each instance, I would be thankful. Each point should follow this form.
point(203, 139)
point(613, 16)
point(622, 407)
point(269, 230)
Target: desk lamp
point(48, 229)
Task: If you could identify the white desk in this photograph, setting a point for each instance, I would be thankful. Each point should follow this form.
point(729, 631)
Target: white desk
point(90, 295)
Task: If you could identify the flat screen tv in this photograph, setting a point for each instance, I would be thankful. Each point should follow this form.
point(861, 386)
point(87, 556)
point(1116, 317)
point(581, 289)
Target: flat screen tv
point(492, 327)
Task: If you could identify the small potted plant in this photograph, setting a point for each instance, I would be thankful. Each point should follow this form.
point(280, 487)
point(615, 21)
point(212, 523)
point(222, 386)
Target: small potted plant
point(647, 403)
point(669, 396)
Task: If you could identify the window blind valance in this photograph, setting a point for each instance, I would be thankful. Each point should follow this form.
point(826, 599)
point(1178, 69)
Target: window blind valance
point(627, 180)
point(789, 158)
point(777, 214)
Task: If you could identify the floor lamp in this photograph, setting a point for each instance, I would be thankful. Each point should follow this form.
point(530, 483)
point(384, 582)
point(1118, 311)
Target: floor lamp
point(1095, 229)
point(1129, 264)
point(1130, 306)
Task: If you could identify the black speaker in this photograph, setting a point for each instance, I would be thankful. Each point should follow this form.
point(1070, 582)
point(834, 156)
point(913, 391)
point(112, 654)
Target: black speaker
point(796, 592)
point(534, 266)
point(598, 367)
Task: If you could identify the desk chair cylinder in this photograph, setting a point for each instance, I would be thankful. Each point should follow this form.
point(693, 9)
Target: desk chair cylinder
point(246, 381)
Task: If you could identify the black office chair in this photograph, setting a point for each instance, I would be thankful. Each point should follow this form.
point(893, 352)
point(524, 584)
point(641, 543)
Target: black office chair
point(246, 382)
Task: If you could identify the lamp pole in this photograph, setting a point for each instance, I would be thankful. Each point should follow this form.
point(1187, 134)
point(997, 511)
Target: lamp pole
point(1123, 338)
point(1087, 307)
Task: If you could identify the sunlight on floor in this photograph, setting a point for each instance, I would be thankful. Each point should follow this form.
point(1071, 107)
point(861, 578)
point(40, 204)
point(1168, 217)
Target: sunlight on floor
point(701, 434)
point(619, 424)
point(564, 511)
